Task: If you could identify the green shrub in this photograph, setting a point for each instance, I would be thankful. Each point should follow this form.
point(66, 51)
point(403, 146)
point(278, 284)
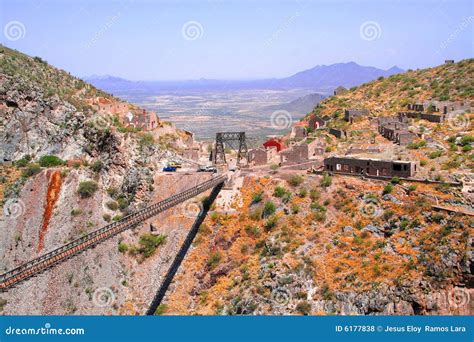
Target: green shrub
point(112, 205)
point(106, 217)
point(387, 189)
point(3, 302)
point(149, 243)
point(112, 191)
point(326, 181)
point(146, 140)
point(286, 197)
point(269, 208)
point(122, 203)
point(161, 309)
point(97, 166)
point(295, 208)
point(214, 260)
point(423, 162)
point(252, 231)
point(314, 194)
point(435, 154)
point(31, 170)
point(257, 197)
point(23, 161)
point(466, 140)
point(395, 180)
point(279, 192)
point(417, 145)
point(50, 161)
point(466, 148)
point(122, 247)
point(255, 214)
point(76, 212)
point(87, 188)
point(271, 223)
point(303, 308)
point(303, 192)
point(117, 218)
point(295, 180)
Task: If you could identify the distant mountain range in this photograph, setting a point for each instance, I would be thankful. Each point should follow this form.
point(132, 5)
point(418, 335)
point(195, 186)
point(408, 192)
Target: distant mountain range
point(300, 106)
point(321, 78)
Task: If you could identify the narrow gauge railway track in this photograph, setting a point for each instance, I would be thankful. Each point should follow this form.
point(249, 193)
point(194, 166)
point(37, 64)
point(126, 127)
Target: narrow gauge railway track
point(56, 256)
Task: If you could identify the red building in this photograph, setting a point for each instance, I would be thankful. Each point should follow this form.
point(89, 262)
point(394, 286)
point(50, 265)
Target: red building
point(274, 142)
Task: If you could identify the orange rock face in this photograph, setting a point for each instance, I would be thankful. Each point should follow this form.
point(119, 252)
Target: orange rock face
point(54, 188)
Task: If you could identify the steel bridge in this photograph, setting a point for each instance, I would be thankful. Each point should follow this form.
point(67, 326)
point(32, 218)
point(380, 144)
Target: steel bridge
point(56, 256)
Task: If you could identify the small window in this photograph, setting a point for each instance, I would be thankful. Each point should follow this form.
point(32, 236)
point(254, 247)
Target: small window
point(338, 167)
point(397, 167)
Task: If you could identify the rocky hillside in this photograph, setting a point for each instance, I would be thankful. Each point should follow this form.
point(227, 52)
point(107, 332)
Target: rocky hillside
point(67, 169)
point(328, 245)
point(386, 95)
point(321, 244)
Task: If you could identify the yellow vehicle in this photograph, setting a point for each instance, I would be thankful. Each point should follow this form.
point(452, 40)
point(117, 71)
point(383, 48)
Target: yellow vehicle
point(174, 164)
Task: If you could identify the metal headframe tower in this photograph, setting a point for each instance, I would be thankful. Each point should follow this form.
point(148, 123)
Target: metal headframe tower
point(235, 140)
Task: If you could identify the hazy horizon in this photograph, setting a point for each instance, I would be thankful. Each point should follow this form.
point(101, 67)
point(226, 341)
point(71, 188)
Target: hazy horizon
point(228, 79)
point(191, 40)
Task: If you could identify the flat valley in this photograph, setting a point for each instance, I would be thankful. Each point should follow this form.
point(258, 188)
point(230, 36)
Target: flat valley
point(210, 111)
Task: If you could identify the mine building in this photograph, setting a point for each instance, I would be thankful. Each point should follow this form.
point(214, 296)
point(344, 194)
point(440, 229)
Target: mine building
point(372, 167)
point(350, 115)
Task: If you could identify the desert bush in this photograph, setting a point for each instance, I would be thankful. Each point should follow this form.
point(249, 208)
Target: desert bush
point(326, 181)
point(112, 205)
point(295, 180)
point(31, 170)
point(50, 161)
point(97, 166)
point(87, 188)
point(269, 209)
point(149, 243)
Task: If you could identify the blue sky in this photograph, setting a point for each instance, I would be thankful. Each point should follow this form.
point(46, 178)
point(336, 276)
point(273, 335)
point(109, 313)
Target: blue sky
point(148, 40)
